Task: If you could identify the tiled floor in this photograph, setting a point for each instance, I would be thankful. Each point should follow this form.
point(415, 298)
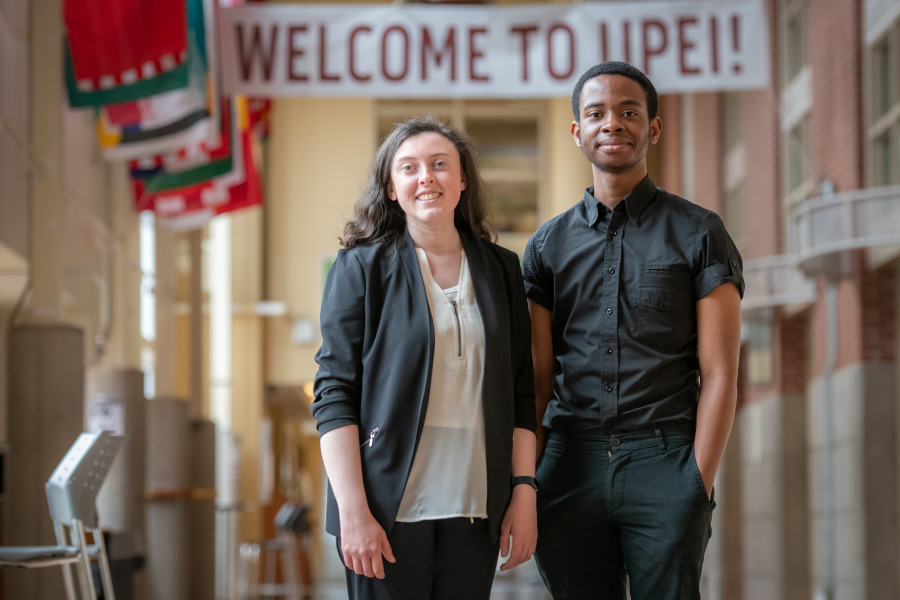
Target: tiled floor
point(527, 586)
point(501, 591)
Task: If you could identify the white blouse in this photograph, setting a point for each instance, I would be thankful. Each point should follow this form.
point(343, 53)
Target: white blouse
point(449, 472)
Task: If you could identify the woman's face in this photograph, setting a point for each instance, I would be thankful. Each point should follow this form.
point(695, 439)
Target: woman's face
point(426, 180)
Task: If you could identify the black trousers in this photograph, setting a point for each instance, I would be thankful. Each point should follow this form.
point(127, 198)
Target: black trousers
point(630, 505)
point(446, 559)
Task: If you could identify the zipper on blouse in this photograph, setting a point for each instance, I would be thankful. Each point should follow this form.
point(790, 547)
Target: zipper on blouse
point(371, 439)
point(458, 330)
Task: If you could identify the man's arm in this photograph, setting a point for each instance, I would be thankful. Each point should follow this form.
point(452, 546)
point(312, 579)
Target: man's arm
point(718, 349)
point(542, 356)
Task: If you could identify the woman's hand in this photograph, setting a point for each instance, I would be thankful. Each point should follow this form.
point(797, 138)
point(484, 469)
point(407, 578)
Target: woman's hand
point(363, 543)
point(520, 523)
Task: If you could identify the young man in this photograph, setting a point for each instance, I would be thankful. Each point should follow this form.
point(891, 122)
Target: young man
point(634, 296)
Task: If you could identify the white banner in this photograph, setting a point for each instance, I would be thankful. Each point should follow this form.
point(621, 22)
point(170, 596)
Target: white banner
point(418, 51)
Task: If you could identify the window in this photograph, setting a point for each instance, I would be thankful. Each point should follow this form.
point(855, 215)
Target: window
point(507, 140)
point(734, 198)
point(794, 37)
point(796, 100)
point(797, 161)
point(887, 156)
point(759, 355)
point(735, 167)
point(882, 78)
point(884, 122)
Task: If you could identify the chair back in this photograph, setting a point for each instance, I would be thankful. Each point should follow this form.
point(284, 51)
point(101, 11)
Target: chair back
point(292, 518)
point(73, 487)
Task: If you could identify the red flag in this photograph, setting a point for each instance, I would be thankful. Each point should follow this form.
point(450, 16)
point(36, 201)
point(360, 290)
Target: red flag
point(119, 42)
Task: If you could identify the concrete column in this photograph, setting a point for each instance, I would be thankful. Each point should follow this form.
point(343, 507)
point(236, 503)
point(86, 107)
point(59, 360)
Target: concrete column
point(114, 401)
point(47, 210)
point(165, 312)
point(202, 549)
point(880, 489)
point(46, 403)
point(774, 499)
point(730, 494)
point(196, 326)
point(794, 474)
point(168, 488)
point(864, 495)
point(761, 450)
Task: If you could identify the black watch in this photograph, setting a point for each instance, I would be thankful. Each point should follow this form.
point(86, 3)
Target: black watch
point(527, 480)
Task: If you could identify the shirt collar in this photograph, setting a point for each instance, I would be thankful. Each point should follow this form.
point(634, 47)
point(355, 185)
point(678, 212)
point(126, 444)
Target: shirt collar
point(635, 203)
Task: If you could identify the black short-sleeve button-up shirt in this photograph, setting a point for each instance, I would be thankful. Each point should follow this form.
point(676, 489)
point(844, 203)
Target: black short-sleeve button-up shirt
point(622, 287)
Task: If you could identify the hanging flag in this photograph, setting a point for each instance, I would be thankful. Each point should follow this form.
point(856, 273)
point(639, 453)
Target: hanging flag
point(195, 204)
point(169, 121)
point(259, 116)
point(118, 50)
point(190, 165)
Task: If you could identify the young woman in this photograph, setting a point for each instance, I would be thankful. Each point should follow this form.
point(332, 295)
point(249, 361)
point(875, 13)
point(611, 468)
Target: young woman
point(424, 394)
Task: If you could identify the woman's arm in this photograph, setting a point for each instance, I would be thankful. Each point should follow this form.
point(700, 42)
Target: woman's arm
point(520, 519)
point(336, 410)
point(363, 540)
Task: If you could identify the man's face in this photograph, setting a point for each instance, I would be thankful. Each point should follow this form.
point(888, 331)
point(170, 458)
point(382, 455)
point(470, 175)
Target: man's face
point(615, 130)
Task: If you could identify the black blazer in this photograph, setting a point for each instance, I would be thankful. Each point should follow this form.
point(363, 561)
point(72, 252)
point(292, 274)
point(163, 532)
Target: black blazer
point(376, 358)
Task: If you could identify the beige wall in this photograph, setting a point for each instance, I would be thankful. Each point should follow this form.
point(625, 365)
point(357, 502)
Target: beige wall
point(568, 171)
point(319, 152)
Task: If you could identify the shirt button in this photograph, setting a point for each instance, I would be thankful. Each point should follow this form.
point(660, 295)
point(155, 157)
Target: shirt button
point(733, 263)
point(608, 388)
point(611, 270)
point(614, 232)
point(609, 311)
point(609, 350)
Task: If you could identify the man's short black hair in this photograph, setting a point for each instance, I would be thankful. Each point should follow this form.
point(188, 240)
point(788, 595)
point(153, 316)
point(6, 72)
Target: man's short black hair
point(616, 68)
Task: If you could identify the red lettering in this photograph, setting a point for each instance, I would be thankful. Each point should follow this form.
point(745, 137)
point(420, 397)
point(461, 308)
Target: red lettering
point(560, 27)
point(294, 52)
point(475, 53)
point(524, 31)
point(353, 72)
point(684, 45)
point(323, 76)
point(256, 52)
point(428, 49)
point(736, 40)
point(604, 44)
point(650, 51)
point(404, 55)
point(626, 34)
point(714, 43)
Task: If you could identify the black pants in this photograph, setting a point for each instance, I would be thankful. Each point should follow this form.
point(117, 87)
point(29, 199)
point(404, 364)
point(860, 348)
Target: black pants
point(626, 505)
point(447, 559)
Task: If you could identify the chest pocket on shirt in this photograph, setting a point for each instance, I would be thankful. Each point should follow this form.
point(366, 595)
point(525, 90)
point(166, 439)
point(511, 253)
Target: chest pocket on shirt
point(664, 313)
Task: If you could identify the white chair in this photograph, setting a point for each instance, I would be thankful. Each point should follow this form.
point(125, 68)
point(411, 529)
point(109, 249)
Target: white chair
point(72, 495)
